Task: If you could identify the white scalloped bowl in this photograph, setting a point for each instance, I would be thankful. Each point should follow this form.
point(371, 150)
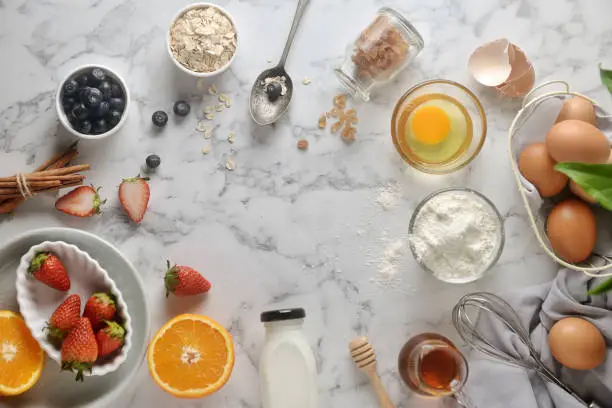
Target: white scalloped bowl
point(37, 301)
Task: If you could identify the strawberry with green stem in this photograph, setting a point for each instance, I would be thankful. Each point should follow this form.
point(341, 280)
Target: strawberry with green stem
point(184, 281)
point(99, 307)
point(79, 349)
point(82, 202)
point(110, 338)
point(64, 318)
point(47, 268)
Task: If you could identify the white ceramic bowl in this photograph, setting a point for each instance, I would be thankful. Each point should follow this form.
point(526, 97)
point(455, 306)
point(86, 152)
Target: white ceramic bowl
point(62, 115)
point(184, 68)
point(37, 301)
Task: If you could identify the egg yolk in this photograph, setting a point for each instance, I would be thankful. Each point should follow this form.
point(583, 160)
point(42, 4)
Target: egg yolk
point(430, 125)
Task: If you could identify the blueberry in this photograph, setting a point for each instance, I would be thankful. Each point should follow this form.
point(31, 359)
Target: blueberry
point(101, 110)
point(182, 108)
point(153, 161)
point(105, 88)
point(116, 91)
point(92, 97)
point(84, 127)
point(117, 104)
point(68, 103)
point(113, 117)
point(274, 90)
point(72, 119)
point(83, 80)
point(98, 75)
point(100, 126)
point(80, 112)
point(70, 87)
point(160, 118)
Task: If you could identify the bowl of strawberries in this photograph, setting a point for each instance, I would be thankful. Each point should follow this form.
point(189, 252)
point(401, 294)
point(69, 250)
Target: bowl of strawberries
point(73, 308)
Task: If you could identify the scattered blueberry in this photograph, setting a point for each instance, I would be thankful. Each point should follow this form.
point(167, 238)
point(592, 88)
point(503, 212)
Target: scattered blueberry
point(153, 161)
point(117, 104)
point(98, 75)
point(182, 108)
point(160, 118)
point(101, 110)
point(84, 127)
point(100, 126)
point(71, 87)
point(92, 97)
point(83, 80)
point(274, 90)
point(116, 91)
point(80, 112)
point(105, 88)
point(113, 118)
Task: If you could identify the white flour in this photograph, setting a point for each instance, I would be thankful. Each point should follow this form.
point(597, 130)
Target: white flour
point(456, 235)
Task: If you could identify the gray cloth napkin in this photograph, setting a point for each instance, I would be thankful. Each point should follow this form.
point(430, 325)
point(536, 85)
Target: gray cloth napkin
point(492, 384)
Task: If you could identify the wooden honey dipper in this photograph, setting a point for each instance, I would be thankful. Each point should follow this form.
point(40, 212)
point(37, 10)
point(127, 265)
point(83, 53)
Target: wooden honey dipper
point(365, 359)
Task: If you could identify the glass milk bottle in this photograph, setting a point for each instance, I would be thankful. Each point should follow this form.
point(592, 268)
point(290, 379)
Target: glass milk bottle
point(287, 369)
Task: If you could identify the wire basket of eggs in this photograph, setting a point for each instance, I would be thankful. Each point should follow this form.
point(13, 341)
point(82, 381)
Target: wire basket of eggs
point(559, 145)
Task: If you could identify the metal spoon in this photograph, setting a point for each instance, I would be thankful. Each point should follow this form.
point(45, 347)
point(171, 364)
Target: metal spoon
point(262, 110)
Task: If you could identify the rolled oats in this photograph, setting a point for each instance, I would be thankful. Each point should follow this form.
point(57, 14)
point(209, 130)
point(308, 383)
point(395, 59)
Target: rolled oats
point(203, 39)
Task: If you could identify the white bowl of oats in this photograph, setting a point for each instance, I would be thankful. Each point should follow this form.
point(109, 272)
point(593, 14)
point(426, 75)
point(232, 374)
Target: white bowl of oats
point(202, 40)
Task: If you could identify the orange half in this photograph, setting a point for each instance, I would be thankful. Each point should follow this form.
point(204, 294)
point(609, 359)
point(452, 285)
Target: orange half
point(21, 358)
point(191, 356)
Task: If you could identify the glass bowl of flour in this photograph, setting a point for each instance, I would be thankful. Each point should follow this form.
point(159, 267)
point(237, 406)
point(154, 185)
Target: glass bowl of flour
point(456, 234)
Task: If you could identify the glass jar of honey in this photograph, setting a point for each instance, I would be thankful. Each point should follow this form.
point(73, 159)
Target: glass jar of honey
point(381, 51)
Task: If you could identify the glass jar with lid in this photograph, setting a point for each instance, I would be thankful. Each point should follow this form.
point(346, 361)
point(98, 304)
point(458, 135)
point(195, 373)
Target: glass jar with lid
point(382, 50)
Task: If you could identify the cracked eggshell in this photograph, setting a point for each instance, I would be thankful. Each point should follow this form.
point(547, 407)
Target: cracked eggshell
point(490, 63)
point(522, 76)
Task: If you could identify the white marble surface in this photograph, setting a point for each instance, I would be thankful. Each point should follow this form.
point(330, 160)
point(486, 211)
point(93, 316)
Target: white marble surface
point(316, 229)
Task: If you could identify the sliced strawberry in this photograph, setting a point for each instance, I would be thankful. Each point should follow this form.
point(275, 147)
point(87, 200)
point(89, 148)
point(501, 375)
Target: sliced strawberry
point(83, 201)
point(134, 195)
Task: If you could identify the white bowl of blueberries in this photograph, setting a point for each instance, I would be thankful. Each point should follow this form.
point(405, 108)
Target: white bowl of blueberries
point(92, 102)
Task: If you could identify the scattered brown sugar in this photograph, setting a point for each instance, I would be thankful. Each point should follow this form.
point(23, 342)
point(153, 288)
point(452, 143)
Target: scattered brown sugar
point(346, 119)
point(302, 144)
point(322, 122)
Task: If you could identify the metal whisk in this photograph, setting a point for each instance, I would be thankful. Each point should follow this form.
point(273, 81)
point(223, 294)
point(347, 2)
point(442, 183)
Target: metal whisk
point(499, 309)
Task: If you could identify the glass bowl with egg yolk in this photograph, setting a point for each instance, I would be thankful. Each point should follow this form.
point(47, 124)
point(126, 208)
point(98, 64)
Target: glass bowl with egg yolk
point(438, 126)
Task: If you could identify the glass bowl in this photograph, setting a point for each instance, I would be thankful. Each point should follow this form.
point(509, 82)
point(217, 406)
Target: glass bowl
point(476, 273)
point(462, 95)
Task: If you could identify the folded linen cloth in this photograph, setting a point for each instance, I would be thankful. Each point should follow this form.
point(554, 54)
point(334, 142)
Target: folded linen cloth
point(493, 384)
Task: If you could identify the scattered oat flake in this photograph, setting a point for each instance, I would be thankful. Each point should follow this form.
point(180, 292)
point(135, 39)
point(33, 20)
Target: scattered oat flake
point(219, 107)
point(206, 149)
point(208, 109)
point(228, 103)
point(302, 144)
point(207, 133)
point(230, 165)
point(306, 81)
point(209, 116)
point(212, 90)
point(269, 60)
point(222, 98)
point(201, 126)
point(322, 122)
point(230, 137)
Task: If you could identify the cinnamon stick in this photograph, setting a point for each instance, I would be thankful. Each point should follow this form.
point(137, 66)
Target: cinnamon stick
point(52, 172)
point(45, 190)
point(10, 185)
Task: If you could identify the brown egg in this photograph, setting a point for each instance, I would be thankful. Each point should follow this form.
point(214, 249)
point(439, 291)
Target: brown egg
point(571, 230)
point(577, 344)
point(579, 191)
point(538, 167)
point(577, 141)
point(577, 108)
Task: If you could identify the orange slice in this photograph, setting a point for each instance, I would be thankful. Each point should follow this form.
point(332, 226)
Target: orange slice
point(21, 358)
point(192, 356)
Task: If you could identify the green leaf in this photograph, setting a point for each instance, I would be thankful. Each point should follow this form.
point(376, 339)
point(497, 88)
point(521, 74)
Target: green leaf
point(595, 179)
point(606, 77)
point(603, 287)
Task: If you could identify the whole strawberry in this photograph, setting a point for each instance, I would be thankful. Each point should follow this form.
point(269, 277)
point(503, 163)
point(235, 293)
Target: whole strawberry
point(110, 338)
point(64, 317)
point(134, 196)
point(83, 201)
point(184, 281)
point(79, 349)
point(47, 268)
point(99, 307)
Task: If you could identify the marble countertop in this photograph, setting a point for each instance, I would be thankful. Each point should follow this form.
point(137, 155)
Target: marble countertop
point(323, 229)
